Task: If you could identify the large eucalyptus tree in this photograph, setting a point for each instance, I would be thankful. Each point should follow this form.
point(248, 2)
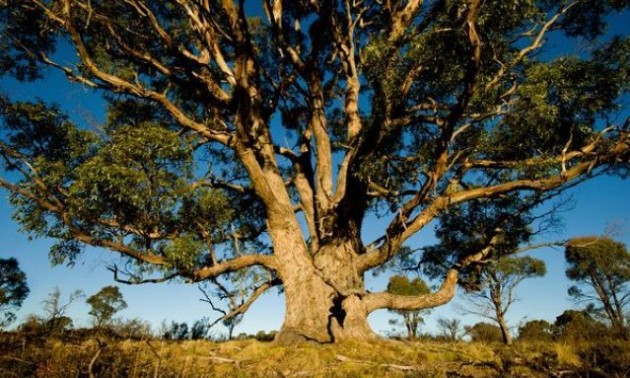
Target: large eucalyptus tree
point(258, 136)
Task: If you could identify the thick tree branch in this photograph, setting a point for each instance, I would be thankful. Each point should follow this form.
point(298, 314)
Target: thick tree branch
point(375, 301)
point(234, 264)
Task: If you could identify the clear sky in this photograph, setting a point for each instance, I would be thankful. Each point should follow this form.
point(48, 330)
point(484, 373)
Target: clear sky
point(598, 202)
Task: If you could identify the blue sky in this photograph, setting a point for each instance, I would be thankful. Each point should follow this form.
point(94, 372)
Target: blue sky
point(598, 202)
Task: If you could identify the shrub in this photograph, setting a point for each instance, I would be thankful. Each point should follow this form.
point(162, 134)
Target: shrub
point(263, 336)
point(485, 333)
point(576, 326)
point(536, 330)
point(608, 356)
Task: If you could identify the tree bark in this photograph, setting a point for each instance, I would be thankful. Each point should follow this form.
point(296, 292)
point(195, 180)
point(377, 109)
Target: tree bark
point(505, 331)
point(324, 299)
point(317, 312)
point(499, 311)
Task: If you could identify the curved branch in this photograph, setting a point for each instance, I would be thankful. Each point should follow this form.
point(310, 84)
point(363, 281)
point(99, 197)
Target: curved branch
point(375, 301)
point(446, 292)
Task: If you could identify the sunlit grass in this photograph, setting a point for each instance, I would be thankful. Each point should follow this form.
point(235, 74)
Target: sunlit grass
point(250, 358)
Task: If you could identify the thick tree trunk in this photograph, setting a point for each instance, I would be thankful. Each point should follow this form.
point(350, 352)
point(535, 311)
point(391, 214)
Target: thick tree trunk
point(324, 299)
point(316, 312)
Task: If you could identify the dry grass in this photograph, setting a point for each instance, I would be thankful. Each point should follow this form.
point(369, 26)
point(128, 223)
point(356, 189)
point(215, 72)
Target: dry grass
point(250, 358)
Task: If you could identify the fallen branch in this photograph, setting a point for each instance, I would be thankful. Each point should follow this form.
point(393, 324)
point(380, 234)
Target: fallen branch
point(221, 360)
point(101, 346)
point(342, 358)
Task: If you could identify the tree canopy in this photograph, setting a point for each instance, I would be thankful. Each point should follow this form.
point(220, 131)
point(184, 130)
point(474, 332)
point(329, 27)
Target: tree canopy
point(13, 289)
point(105, 304)
point(259, 136)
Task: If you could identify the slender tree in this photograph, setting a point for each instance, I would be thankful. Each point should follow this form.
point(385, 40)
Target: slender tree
point(105, 304)
point(401, 285)
point(600, 267)
point(451, 328)
point(259, 136)
point(500, 229)
point(55, 309)
point(496, 292)
point(13, 290)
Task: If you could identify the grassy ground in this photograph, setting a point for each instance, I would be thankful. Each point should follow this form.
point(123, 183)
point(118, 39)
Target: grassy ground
point(250, 358)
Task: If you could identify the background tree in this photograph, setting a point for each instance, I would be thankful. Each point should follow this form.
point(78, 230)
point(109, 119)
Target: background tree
point(401, 285)
point(497, 284)
point(450, 328)
point(484, 333)
point(176, 331)
point(224, 121)
point(105, 304)
point(55, 319)
point(497, 230)
point(13, 290)
point(200, 330)
point(601, 268)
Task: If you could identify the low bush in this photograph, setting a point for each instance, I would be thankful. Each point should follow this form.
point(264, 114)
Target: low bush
point(607, 358)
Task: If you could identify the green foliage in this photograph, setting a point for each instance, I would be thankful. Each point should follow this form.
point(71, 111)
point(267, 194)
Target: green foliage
point(105, 304)
point(601, 268)
point(401, 285)
point(28, 21)
point(484, 333)
point(608, 357)
point(136, 174)
point(176, 331)
point(520, 267)
point(536, 330)
point(13, 290)
point(200, 329)
point(576, 325)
